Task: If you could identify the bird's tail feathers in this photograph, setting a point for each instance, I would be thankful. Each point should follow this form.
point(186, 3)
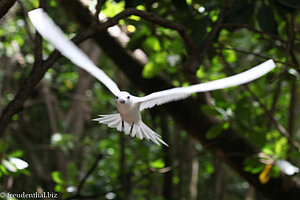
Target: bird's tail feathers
point(139, 130)
point(150, 134)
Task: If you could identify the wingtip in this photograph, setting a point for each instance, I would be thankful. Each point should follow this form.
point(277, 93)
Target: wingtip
point(271, 61)
point(34, 12)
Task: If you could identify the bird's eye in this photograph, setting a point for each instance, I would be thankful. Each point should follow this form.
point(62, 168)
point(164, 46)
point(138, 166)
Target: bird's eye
point(117, 97)
point(128, 97)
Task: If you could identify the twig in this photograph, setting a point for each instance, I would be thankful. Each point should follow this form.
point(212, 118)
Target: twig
point(40, 171)
point(36, 74)
point(154, 19)
point(24, 11)
point(209, 39)
point(83, 180)
point(279, 127)
point(287, 52)
point(46, 95)
point(276, 37)
point(95, 20)
point(146, 174)
point(294, 86)
point(98, 8)
point(112, 191)
point(254, 54)
point(275, 99)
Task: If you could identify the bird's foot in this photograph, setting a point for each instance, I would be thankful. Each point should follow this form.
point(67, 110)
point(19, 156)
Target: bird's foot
point(122, 126)
point(131, 127)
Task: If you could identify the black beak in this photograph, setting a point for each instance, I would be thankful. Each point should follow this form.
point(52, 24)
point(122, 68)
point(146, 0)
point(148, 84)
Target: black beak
point(122, 101)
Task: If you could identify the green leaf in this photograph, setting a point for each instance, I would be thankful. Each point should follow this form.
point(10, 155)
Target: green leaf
point(253, 165)
point(156, 63)
point(3, 146)
point(275, 171)
point(159, 163)
point(214, 131)
point(209, 110)
point(152, 43)
point(57, 177)
point(58, 188)
point(111, 8)
point(230, 56)
point(200, 72)
point(137, 38)
point(258, 137)
point(266, 19)
point(3, 169)
point(72, 171)
point(17, 154)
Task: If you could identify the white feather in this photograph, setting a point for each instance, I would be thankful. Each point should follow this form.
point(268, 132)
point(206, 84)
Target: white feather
point(51, 32)
point(139, 130)
point(175, 94)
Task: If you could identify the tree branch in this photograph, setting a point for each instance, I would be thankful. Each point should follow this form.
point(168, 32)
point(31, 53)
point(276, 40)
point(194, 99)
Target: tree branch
point(155, 20)
point(210, 37)
point(269, 114)
point(254, 54)
point(273, 36)
point(5, 5)
point(36, 74)
point(83, 180)
point(294, 85)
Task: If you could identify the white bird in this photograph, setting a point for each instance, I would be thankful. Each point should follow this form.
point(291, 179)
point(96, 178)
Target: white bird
point(128, 120)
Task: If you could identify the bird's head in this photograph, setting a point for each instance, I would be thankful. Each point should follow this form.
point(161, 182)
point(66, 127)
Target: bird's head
point(123, 97)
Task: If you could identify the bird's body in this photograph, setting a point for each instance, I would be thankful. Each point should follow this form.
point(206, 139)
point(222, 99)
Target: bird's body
point(128, 108)
point(128, 120)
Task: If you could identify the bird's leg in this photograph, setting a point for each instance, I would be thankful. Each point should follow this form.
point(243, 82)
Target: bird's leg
point(122, 126)
point(131, 127)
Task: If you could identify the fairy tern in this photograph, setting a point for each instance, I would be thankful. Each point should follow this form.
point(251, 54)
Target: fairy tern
point(128, 119)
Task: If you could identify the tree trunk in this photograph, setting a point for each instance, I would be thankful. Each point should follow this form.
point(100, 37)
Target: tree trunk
point(168, 176)
point(5, 5)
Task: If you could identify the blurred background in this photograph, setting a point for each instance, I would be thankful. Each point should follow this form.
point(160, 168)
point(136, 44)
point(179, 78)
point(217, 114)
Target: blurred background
point(49, 143)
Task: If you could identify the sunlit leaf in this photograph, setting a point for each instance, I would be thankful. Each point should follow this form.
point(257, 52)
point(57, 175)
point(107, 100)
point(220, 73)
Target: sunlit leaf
point(159, 163)
point(57, 177)
point(230, 56)
point(153, 43)
point(200, 72)
point(111, 8)
point(156, 63)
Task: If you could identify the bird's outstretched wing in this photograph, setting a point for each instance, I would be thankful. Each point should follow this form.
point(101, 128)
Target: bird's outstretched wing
point(53, 34)
point(175, 94)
